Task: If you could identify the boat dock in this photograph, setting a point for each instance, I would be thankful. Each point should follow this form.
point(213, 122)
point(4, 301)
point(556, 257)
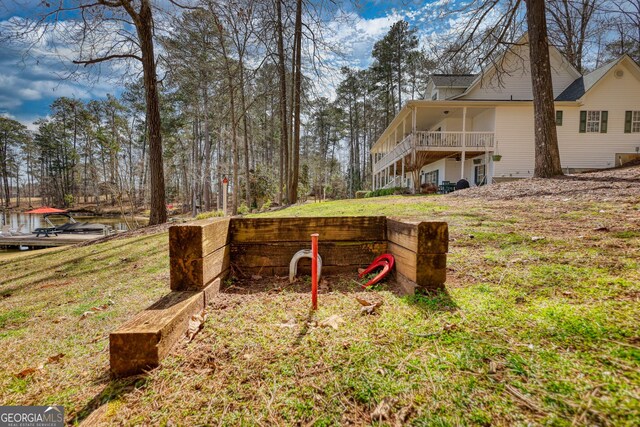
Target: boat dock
point(31, 241)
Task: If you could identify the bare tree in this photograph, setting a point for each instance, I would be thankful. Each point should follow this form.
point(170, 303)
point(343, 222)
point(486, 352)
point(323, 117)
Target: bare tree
point(101, 31)
point(484, 36)
point(571, 27)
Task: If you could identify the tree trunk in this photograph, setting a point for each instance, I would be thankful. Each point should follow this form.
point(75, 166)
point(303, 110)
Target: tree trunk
point(284, 134)
point(547, 154)
point(245, 134)
point(144, 27)
point(207, 150)
point(295, 160)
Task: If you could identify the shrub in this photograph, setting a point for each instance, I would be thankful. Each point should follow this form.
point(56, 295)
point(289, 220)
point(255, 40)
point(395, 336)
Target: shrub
point(266, 205)
point(386, 192)
point(362, 194)
point(243, 209)
point(210, 214)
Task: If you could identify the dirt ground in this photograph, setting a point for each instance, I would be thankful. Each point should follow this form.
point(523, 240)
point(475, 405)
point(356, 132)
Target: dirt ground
point(608, 185)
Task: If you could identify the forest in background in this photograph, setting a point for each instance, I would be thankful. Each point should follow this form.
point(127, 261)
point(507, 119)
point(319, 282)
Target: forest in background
point(242, 97)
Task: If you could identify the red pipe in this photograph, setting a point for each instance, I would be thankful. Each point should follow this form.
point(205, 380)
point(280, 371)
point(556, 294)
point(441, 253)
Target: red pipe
point(314, 271)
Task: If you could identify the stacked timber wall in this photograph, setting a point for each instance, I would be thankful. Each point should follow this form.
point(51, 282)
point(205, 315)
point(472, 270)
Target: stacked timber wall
point(265, 246)
point(199, 254)
point(204, 253)
point(420, 250)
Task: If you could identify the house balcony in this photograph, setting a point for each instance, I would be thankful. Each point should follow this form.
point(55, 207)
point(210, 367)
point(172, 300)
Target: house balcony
point(439, 144)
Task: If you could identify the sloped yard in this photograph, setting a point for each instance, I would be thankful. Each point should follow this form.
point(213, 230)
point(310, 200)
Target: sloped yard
point(539, 325)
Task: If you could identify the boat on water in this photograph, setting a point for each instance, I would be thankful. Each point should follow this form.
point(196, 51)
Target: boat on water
point(71, 226)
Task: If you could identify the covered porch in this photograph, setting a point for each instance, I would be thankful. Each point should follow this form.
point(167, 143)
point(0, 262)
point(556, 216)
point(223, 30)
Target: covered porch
point(428, 131)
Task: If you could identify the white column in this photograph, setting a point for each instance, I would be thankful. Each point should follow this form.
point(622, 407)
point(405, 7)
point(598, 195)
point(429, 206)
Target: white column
point(464, 140)
point(489, 179)
point(403, 174)
point(464, 127)
point(413, 120)
point(395, 170)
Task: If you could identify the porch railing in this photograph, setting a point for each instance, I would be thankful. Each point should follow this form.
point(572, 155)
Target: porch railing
point(455, 139)
point(442, 141)
point(396, 153)
point(394, 182)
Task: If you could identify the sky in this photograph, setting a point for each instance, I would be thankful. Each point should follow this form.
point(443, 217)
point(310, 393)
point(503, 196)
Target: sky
point(30, 80)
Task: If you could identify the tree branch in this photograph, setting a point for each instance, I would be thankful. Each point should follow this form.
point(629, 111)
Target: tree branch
point(107, 58)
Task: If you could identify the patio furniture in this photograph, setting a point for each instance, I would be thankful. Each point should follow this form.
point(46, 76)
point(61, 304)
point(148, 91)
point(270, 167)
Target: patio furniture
point(46, 231)
point(446, 187)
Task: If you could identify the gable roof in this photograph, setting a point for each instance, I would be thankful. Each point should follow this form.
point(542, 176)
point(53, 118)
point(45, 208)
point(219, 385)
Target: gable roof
point(522, 41)
point(581, 85)
point(453, 80)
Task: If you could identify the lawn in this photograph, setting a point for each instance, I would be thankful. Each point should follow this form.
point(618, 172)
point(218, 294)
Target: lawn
point(538, 325)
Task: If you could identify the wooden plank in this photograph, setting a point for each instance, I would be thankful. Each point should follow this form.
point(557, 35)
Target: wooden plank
point(198, 239)
point(420, 237)
point(195, 274)
point(303, 270)
point(280, 254)
point(269, 230)
point(143, 341)
point(428, 271)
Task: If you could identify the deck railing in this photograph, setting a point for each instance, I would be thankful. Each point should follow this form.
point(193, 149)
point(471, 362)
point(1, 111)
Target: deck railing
point(455, 139)
point(394, 182)
point(440, 141)
point(396, 153)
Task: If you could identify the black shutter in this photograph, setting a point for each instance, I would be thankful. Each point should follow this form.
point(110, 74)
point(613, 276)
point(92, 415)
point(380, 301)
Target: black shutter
point(583, 121)
point(604, 118)
point(627, 121)
point(559, 118)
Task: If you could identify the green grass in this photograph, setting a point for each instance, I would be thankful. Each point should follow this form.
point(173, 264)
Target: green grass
point(528, 332)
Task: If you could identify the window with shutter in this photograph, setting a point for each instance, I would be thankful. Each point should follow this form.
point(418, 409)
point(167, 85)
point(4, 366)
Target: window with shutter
point(635, 121)
point(593, 121)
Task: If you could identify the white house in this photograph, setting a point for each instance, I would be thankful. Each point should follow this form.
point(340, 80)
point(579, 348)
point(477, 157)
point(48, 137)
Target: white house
point(481, 127)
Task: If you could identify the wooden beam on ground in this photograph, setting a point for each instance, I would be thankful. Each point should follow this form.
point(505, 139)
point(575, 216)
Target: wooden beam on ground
point(196, 274)
point(199, 253)
point(269, 230)
point(142, 342)
point(198, 239)
point(280, 254)
point(419, 249)
point(427, 237)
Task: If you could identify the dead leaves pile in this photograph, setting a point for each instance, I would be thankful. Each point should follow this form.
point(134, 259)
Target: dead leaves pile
point(97, 309)
point(196, 323)
point(332, 321)
point(383, 412)
point(368, 307)
point(30, 371)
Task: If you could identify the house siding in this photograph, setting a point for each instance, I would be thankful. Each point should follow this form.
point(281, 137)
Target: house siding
point(514, 141)
point(515, 134)
point(598, 150)
point(485, 121)
point(514, 80)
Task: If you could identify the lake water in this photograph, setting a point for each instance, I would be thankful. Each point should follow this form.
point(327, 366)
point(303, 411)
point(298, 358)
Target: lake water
point(35, 221)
